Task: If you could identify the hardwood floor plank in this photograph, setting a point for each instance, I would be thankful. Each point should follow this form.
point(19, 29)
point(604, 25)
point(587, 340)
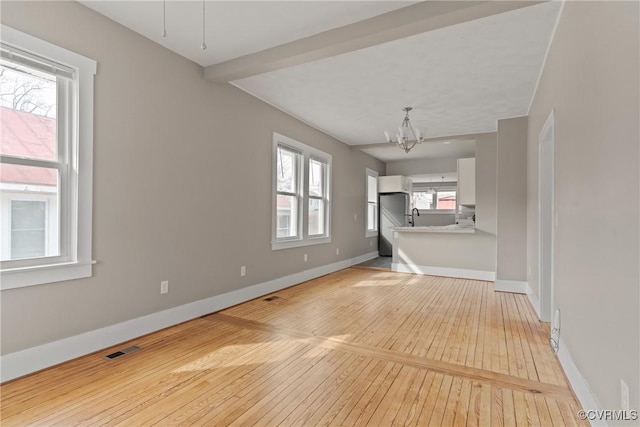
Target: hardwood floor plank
point(525, 385)
point(356, 347)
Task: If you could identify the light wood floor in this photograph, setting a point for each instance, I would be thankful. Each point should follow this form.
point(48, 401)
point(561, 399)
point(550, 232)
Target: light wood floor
point(357, 347)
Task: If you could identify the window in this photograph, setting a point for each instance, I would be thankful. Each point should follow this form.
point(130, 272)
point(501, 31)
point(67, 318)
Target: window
point(46, 113)
point(29, 229)
point(301, 182)
point(288, 191)
point(317, 196)
point(372, 203)
point(435, 199)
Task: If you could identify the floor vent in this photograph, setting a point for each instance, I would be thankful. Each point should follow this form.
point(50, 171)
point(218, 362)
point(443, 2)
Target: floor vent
point(121, 352)
point(271, 298)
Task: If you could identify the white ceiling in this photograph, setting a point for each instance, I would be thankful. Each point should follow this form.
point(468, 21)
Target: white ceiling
point(235, 28)
point(459, 79)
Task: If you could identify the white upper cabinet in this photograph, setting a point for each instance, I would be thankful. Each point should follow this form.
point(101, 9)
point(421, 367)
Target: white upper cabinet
point(467, 182)
point(394, 184)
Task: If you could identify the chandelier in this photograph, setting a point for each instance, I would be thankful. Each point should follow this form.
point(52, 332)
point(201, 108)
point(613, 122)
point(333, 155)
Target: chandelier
point(407, 136)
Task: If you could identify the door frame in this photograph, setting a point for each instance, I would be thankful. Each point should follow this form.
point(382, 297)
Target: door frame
point(546, 216)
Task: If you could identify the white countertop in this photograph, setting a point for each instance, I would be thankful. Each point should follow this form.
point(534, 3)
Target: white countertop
point(453, 228)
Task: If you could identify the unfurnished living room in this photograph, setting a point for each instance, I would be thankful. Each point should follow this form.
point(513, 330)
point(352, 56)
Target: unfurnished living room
point(299, 213)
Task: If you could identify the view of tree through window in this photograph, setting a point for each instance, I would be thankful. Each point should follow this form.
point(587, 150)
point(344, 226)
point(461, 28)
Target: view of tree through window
point(28, 111)
point(301, 193)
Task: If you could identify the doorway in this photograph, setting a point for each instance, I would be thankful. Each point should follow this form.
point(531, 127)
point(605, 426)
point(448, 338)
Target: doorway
point(546, 216)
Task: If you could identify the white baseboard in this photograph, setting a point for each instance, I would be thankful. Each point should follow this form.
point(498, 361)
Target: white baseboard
point(579, 384)
point(446, 272)
point(33, 359)
point(576, 380)
point(365, 257)
point(514, 286)
point(533, 299)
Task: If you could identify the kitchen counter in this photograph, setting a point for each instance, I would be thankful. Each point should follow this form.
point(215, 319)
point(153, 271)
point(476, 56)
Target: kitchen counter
point(453, 228)
point(450, 251)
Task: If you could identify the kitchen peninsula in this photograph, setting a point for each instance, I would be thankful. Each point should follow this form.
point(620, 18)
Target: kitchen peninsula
point(449, 251)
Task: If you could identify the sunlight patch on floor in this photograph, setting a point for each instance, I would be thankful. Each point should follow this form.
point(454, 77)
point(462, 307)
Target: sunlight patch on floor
point(239, 354)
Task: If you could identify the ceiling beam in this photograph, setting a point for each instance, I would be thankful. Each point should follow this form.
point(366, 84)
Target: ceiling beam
point(397, 24)
point(437, 139)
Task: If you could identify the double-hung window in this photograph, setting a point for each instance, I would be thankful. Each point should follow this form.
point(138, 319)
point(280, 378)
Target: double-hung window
point(372, 203)
point(46, 114)
point(301, 183)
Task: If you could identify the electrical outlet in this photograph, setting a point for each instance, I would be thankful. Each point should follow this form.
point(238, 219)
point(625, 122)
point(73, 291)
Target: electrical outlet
point(355, 217)
point(337, 251)
point(164, 287)
point(243, 271)
point(624, 396)
point(305, 257)
point(371, 243)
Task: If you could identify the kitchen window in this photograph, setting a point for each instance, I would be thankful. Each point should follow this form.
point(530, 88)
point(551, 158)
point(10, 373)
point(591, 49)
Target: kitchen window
point(301, 183)
point(436, 200)
point(46, 112)
point(372, 203)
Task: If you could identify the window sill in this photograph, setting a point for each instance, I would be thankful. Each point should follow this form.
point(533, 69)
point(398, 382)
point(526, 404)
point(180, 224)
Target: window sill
point(286, 244)
point(43, 274)
point(371, 234)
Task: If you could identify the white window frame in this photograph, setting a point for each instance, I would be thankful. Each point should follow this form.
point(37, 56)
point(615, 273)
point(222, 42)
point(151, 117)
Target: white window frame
point(298, 170)
point(435, 211)
point(75, 142)
point(367, 231)
point(324, 197)
point(307, 153)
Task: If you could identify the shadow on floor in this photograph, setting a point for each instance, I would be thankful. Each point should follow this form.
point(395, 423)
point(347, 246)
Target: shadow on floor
point(379, 262)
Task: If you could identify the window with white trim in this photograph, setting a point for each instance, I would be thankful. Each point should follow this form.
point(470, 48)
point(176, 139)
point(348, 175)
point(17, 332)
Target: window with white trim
point(46, 113)
point(440, 200)
point(301, 203)
point(372, 203)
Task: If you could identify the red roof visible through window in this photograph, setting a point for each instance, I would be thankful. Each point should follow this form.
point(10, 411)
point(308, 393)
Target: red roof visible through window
point(27, 135)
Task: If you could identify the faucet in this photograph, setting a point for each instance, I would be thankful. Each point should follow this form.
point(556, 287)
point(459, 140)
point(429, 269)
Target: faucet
point(412, 221)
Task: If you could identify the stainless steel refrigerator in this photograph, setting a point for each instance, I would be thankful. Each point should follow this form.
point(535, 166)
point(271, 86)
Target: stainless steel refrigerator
point(394, 210)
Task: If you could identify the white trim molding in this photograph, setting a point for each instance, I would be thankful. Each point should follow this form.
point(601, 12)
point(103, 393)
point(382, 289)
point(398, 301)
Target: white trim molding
point(445, 272)
point(365, 257)
point(533, 299)
point(514, 286)
point(579, 384)
point(33, 359)
point(75, 145)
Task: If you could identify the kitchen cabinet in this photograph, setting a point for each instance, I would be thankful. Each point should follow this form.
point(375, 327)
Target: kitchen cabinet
point(467, 182)
point(394, 184)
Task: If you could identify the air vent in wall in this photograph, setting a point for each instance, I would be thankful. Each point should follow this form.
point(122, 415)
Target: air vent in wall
point(122, 352)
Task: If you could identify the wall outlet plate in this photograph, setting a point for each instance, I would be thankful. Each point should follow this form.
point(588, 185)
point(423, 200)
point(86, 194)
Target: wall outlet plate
point(243, 271)
point(164, 287)
point(305, 257)
point(337, 251)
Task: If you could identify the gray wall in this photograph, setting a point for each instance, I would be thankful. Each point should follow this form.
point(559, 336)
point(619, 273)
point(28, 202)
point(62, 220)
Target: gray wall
point(512, 199)
point(182, 188)
point(590, 80)
point(486, 213)
point(421, 166)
